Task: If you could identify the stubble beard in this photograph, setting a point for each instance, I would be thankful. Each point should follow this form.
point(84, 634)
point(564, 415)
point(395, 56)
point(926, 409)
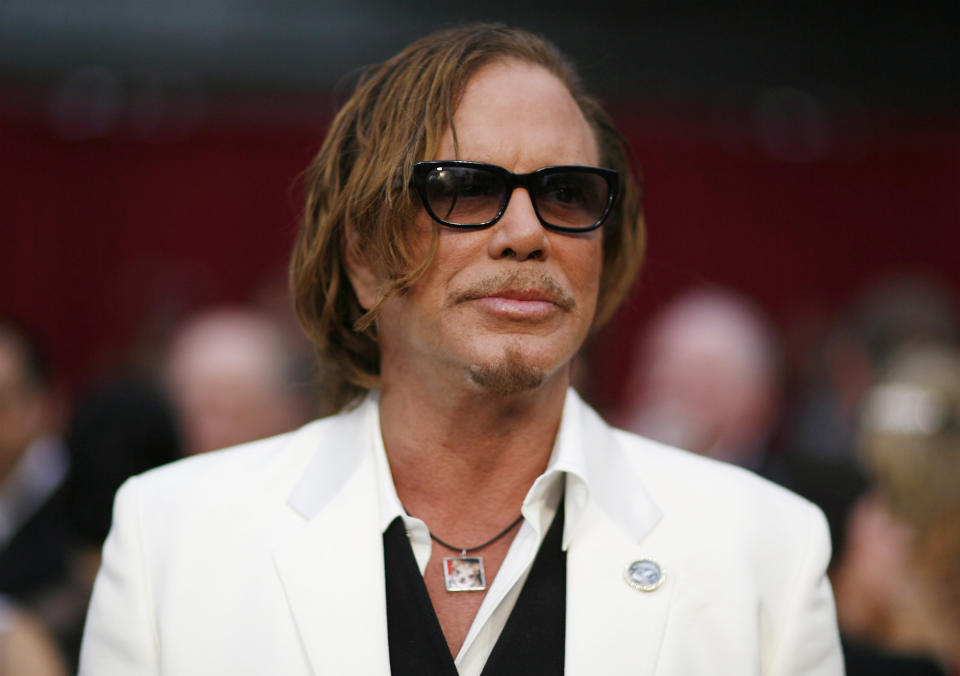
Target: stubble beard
point(509, 376)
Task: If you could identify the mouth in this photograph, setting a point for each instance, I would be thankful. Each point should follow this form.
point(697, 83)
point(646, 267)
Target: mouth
point(516, 309)
point(513, 298)
point(528, 295)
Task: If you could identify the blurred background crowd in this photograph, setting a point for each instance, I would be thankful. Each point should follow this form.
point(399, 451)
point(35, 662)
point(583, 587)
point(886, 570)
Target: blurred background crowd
point(797, 315)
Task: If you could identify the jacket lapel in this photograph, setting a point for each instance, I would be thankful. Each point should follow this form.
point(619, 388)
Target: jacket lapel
point(613, 627)
point(332, 569)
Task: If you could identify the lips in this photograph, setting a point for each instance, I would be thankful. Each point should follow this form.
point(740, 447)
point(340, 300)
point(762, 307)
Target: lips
point(528, 303)
point(519, 292)
point(535, 295)
point(518, 309)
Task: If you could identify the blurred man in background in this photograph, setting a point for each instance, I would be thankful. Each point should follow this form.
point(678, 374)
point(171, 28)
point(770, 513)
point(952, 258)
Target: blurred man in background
point(845, 362)
point(705, 378)
point(235, 375)
point(33, 468)
point(33, 532)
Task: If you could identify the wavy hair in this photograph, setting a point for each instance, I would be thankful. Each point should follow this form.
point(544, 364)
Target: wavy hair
point(357, 194)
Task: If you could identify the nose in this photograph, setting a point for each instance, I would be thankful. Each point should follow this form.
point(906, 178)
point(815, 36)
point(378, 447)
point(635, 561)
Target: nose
point(518, 234)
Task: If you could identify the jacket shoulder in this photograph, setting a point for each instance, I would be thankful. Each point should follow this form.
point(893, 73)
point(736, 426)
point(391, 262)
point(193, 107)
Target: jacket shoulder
point(672, 474)
point(237, 473)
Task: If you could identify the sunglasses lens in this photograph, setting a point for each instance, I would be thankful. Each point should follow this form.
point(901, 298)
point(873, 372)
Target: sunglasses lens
point(572, 199)
point(464, 195)
point(473, 195)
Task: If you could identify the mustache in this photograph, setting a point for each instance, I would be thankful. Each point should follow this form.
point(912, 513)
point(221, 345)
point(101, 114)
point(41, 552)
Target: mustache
point(517, 281)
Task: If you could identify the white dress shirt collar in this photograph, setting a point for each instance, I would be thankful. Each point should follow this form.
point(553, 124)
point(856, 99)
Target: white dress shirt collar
point(585, 450)
point(592, 469)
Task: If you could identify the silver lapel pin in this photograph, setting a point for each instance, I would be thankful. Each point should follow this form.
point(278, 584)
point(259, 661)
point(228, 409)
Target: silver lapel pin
point(645, 575)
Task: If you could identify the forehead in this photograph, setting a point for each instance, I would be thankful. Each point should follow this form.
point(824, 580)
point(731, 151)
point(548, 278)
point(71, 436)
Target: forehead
point(522, 117)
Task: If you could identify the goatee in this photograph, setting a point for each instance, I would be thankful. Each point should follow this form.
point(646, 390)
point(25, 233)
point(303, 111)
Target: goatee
point(508, 377)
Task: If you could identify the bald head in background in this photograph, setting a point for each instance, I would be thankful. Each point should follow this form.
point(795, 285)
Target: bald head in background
point(705, 378)
point(235, 375)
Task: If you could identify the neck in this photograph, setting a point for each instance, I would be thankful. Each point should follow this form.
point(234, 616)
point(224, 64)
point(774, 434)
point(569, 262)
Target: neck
point(456, 454)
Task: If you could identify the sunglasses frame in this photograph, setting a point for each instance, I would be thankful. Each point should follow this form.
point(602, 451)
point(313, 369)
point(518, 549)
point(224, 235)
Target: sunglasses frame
point(512, 181)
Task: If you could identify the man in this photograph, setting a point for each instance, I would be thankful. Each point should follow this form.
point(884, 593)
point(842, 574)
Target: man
point(232, 375)
point(33, 467)
point(704, 378)
point(465, 512)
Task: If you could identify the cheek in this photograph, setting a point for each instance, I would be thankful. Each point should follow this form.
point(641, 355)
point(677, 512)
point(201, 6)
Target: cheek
point(457, 250)
point(584, 266)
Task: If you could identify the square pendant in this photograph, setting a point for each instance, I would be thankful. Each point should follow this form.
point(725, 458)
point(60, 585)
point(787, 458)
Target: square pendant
point(464, 573)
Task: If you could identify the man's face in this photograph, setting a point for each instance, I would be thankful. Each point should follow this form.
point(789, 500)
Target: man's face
point(503, 308)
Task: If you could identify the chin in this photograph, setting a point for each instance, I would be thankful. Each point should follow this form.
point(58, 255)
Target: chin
point(511, 374)
point(505, 380)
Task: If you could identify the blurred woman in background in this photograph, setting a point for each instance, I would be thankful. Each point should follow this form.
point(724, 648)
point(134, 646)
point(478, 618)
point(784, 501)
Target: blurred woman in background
point(910, 446)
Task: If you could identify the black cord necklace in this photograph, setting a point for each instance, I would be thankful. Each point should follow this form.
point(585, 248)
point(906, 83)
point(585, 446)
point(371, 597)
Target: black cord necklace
point(466, 550)
point(465, 573)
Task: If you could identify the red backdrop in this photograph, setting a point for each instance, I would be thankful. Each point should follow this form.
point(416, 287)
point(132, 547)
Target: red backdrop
point(107, 240)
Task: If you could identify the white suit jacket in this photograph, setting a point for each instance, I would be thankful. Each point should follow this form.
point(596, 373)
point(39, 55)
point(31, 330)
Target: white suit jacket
point(226, 564)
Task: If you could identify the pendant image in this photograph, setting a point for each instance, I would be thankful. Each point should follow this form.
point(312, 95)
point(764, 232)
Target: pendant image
point(464, 573)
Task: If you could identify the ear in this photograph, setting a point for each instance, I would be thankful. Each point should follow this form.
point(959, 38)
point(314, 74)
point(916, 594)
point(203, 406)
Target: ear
point(365, 282)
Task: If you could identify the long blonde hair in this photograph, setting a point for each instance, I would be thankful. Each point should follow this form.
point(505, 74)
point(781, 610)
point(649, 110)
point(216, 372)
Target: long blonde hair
point(910, 445)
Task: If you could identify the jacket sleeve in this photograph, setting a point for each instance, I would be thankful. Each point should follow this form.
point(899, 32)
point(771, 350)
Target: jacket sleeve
point(120, 636)
point(808, 643)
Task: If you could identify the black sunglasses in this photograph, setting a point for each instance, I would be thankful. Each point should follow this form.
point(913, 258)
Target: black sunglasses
point(472, 195)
